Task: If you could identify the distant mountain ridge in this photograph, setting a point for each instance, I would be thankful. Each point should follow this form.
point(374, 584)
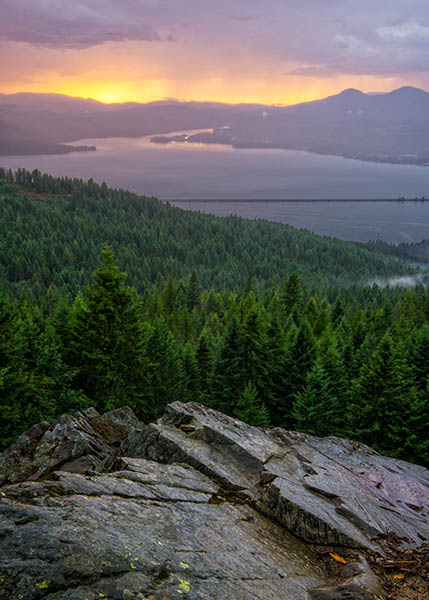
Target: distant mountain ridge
point(390, 127)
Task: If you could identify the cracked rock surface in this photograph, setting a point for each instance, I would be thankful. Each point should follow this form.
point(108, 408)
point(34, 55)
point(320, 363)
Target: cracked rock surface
point(198, 505)
point(327, 491)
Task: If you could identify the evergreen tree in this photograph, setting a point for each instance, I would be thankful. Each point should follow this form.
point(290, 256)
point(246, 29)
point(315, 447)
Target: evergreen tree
point(204, 357)
point(337, 311)
point(314, 408)
point(165, 378)
point(345, 347)
point(255, 351)
point(191, 375)
point(58, 379)
point(15, 381)
point(336, 385)
point(169, 296)
point(381, 400)
point(276, 370)
point(184, 324)
point(416, 447)
point(229, 375)
point(250, 409)
point(29, 363)
point(311, 312)
point(365, 345)
point(419, 356)
point(193, 295)
point(301, 355)
point(106, 340)
point(292, 296)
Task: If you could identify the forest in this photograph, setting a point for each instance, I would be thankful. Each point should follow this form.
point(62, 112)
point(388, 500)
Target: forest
point(52, 232)
point(275, 326)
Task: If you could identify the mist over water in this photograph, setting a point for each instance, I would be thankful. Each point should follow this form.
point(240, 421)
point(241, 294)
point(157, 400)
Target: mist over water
point(202, 171)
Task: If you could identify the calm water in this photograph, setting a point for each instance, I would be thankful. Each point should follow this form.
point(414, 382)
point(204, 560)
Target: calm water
point(353, 221)
point(180, 171)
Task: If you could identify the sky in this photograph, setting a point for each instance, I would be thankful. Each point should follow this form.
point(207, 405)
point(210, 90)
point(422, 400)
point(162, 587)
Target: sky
point(267, 51)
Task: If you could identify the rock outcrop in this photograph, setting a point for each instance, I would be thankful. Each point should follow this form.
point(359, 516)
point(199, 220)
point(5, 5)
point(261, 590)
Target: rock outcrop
point(199, 505)
point(84, 441)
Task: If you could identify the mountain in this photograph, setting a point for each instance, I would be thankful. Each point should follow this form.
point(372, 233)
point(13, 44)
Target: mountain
point(201, 505)
point(14, 141)
point(58, 119)
point(391, 127)
point(24, 131)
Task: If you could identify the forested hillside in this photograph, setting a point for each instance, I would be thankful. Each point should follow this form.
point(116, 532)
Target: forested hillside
point(52, 232)
point(413, 251)
point(275, 351)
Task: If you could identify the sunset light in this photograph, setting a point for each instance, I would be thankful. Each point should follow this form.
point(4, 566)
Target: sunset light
point(214, 299)
point(250, 91)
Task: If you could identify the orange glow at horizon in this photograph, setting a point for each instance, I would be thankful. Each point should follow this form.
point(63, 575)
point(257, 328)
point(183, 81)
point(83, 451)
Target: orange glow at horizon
point(257, 91)
point(117, 72)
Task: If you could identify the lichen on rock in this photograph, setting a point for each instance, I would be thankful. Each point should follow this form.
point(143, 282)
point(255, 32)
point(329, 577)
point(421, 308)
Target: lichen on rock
point(197, 505)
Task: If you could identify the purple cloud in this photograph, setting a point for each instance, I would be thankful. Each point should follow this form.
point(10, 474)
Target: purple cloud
point(306, 38)
point(78, 24)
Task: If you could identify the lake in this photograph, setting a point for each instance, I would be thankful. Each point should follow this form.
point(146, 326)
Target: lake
point(203, 171)
point(353, 221)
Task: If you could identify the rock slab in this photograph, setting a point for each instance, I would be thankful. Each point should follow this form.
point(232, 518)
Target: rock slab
point(327, 491)
point(196, 506)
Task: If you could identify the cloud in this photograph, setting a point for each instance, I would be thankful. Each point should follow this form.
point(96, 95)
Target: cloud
point(346, 37)
point(311, 71)
point(315, 38)
point(78, 24)
point(410, 30)
point(279, 50)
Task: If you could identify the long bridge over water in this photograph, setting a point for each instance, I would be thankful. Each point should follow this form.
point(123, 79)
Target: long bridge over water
point(286, 200)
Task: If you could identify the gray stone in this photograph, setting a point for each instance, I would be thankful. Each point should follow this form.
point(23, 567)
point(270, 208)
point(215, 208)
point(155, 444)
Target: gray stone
point(150, 531)
point(359, 583)
point(196, 506)
point(78, 443)
point(325, 491)
point(15, 462)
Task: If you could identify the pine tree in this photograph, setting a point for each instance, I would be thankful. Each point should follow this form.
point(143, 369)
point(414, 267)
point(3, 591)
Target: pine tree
point(313, 408)
point(14, 380)
point(193, 294)
point(255, 351)
point(311, 312)
point(191, 375)
point(165, 378)
point(416, 447)
point(336, 387)
point(169, 297)
point(337, 311)
point(204, 357)
point(322, 323)
point(292, 296)
point(57, 378)
point(276, 370)
point(184, 324)
point(250, 409)
point(27, 390)
point(381, 400)
point(345, 346)
point(229, 375)
point(301, 354)
point(106, 340)
point(419, 356)
point(362, 354)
